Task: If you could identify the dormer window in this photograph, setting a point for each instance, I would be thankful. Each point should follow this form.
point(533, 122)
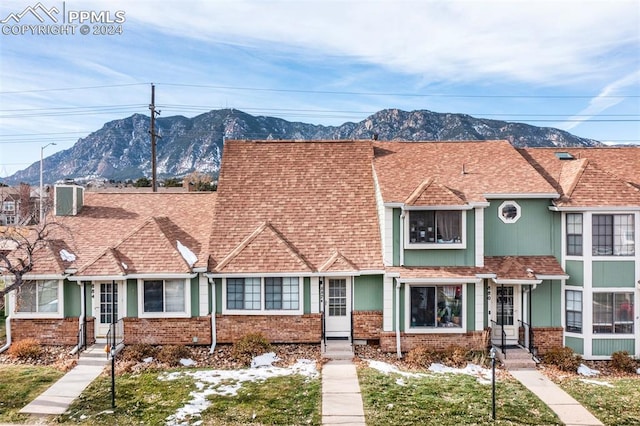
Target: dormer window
point(430, 228)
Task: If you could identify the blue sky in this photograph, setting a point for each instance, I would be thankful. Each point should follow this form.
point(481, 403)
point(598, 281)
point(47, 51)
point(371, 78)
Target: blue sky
point(571, 64)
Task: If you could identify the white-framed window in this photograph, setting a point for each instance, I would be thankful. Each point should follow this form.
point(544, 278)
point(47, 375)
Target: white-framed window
point(256, 295)
point(435, 229)
point(573, 311)
point(435, 308)
point(164, 298)
point(574, 234)
point(509, 212)
point(613, 235)
point(613, 313)
point(39, 298)
point(9, 206)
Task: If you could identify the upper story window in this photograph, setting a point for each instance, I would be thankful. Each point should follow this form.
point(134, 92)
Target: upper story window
point(509, 212)
point(613, 235)
point(438, 227)
point(38, 297)
point(9, 206)
point(574, 234)
point(164, 296)
point(263, 294)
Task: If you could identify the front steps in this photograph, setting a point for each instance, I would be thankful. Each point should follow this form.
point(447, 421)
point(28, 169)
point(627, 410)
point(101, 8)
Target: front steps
point(337, 349)
point(516, 358)
point(94, 355)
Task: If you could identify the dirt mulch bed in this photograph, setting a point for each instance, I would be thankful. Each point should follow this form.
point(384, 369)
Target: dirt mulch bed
point(605, 370)
point(54, 356)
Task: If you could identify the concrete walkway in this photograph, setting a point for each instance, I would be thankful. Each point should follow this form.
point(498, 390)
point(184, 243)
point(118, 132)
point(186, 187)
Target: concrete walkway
point(341, 399)
point(570, 411)
point(57, 398)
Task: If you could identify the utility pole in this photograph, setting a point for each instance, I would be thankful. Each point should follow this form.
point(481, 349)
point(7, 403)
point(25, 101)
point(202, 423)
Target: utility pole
point(152, 132)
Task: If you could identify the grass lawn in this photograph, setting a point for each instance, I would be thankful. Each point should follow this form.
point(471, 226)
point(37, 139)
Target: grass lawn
point(19, 385)
point(451, 399)
point(617, 405)
point(145, 399)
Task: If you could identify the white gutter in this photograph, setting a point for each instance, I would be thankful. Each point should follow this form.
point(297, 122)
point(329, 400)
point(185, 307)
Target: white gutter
point(7, 325)
point(402, 215)
point(213, 316)
point(78, 278)
point(295, 274)
point(398, 345)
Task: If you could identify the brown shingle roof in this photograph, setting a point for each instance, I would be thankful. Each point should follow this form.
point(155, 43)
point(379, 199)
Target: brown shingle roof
point(468, 169)
point(522, 267)
point(318, 195)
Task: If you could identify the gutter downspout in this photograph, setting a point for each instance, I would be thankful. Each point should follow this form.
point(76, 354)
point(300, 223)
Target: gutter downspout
point(7, 325)
point(82, 317)
point(402, 216)
point(398, 346)
point(213, 316)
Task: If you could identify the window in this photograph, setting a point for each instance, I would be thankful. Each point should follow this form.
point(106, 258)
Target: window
point(38, 297)
point(436, 306)
point(613, 313)
point(280, 293)
point(435, 227)
point(509, 212)
point(574, 234)
point(9, 206)
point(164, 296)
point(613, 235)
point(573, 311)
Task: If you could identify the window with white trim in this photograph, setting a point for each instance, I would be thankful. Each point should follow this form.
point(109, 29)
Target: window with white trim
point(509, 212)
point(574, 234)
point(38, 297)
point(435, 227)
point(163, 296)
point(9, 206)
point(268, 294)
point(573, 311)
point(613, 234)
point(435, 306)
point(613, 313)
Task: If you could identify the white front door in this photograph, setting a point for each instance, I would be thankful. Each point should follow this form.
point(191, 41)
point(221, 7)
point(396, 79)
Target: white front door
point(337, 312)
point(505, 311)
point(103, 306)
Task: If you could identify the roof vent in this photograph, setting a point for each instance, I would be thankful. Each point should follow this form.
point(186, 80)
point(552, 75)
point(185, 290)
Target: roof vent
point(563, 155)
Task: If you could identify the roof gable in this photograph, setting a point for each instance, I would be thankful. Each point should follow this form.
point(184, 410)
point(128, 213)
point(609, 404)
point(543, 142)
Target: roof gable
point(431, 193)
point(337, 263)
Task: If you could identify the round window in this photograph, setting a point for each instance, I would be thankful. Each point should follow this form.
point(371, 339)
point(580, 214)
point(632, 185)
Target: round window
point(509, 212)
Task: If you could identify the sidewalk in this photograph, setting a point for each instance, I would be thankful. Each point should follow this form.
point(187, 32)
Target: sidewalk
point(341, 399)
point(570, 411)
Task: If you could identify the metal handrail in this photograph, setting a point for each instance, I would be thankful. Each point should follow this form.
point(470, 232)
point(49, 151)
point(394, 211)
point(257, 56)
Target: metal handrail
point(503, 343)
point(529, 333)
point(115, 335)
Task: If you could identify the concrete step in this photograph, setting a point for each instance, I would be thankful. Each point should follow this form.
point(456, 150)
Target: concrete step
point(338, 349)
point(519, 364)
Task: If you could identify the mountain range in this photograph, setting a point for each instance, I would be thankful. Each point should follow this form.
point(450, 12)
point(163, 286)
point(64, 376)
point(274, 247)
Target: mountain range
point(121, 149)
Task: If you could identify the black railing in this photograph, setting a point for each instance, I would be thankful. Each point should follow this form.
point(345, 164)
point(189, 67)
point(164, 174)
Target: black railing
point(503, 335)
point(115, 335)
point(526, 338)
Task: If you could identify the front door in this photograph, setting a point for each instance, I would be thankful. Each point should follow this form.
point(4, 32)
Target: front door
point(505, 310)
point(105, 311)
point(337, 308)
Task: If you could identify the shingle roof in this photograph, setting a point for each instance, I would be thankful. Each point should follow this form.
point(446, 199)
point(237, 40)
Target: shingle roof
point(597, 177)
point(318, 195)
point(468, 169)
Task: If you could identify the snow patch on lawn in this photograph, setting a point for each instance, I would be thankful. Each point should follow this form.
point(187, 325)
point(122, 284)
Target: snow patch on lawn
point(229, 382)
point(483, 374)
point(583, 370)
point(596, 382)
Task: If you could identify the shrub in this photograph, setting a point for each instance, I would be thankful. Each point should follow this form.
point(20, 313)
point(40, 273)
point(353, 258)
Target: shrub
point(421, 357)
point(139, 351)
point(455, 356)
point(250, 346)
point(622, 361)
point(172, 354)
point(564, 358)
point(26, 349)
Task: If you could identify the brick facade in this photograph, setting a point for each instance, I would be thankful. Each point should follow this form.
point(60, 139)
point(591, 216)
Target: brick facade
point(168, 331)
point(367, 325)
point(50, 331)
point(545, 338)
point(277, 329)
point(472, 340)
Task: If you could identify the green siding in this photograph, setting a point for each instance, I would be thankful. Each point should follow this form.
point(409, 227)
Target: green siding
point(575, 343)
point(368, 293)
point(470, 313)
point(71, 297)
point(218, 282)
point(605, 347)
point(613, 274)
point(575, 270)
point(132, 298)
point(556, 233)
point(195, 296)
point(546, 305)
point(532, 234)
point(307, 295)
point(396, 237)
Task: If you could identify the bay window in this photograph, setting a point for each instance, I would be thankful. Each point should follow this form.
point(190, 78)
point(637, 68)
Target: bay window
point(435, 227)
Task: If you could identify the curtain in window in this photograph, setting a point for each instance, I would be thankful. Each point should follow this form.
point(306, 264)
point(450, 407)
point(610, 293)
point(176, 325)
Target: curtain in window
point(174, 295)
point(623, 234)
point(48, 300)
point(448, 224)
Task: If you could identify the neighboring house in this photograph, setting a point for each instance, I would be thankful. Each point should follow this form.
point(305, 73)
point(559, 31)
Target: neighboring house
point(390, 242)
point(9, 206)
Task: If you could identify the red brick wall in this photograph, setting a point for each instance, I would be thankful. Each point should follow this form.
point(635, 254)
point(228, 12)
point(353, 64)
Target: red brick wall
point(367, 325)
point(545, 338)
point(471, 340)
point(277, 329)
point(58, 332)
point(168, 331)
